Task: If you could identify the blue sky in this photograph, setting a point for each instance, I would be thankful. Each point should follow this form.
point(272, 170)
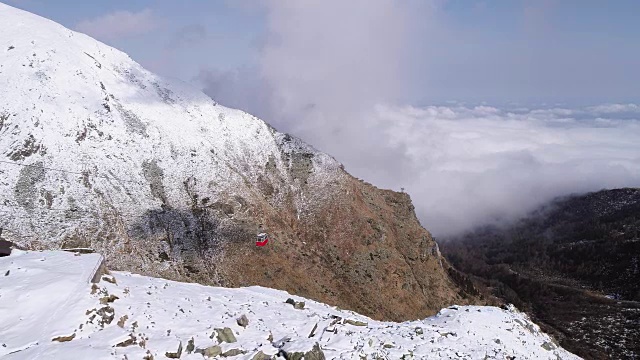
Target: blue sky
point(496, 51)
point(229, 38)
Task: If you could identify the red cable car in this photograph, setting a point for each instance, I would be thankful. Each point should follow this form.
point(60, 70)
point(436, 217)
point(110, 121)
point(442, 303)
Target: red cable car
point(262, 239)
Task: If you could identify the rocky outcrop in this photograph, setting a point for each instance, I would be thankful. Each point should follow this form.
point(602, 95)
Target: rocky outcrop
point(363, 249)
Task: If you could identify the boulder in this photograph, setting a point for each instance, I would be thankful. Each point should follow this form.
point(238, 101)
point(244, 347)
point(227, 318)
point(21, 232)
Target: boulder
point(314, 354)
point(299, 305)
point(261, 356)
point(190, 346)
point(225, 335)
point(233, 352)
point(356, 322)
point(175, 355)
point(243, 321)
point(211, 351)
point(64, 338)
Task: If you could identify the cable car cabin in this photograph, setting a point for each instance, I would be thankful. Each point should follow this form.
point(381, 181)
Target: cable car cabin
point(262, 239)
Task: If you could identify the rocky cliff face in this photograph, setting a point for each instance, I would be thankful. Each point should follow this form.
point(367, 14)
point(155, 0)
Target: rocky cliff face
point(98, 152)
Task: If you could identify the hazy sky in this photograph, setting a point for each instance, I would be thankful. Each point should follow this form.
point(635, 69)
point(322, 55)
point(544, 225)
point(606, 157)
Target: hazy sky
point(480, 109)
point(464, 50)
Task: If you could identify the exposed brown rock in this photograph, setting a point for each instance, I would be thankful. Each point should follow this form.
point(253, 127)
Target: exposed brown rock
point(225, 335)
point(356, 322)
point(106, 314)
point(363, 249)
point(108, 299)
point(352, 245)
point(243, 321)
point(109, 279)
point(260, 356)
point(132, 340)
point(233, 352)
point(211, 351)
point(190, 346)
point(175, 355)
point(314, 354)
point(64, 338)
point(122, 321)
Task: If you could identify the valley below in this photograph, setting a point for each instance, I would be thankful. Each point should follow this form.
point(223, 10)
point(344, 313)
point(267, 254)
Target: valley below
point(572, 265)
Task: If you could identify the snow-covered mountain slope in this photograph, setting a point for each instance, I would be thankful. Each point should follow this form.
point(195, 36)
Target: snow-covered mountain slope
point(105, 137)
point(97, 152)
point(50, 310)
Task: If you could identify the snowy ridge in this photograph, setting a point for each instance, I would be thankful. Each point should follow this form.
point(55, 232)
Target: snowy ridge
point(105, 138)
point(46, 295)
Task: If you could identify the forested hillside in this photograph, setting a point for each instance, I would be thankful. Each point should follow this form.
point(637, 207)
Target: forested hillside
point(573, 265)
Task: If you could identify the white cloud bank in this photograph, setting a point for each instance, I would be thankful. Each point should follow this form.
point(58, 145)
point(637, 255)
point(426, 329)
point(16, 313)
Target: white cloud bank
point(469, 166)
point(326, 68)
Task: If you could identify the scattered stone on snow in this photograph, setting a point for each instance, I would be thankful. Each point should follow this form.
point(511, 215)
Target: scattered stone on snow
point(64, 338)
point(211, 351)
point(356, 322)
point(243, 321)
point(233, 352)
point(296, 304)
point(132, 340)
point(190, 346)
point(122, 320)
point(109, 279)
point(314, 354)
point(108, 299)
point(260, 356)
point(225, 335)
point(175, 355)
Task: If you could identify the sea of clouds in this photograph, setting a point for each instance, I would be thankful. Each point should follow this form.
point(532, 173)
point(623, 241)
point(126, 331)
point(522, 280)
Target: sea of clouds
point(345, 76)
point(467, 166)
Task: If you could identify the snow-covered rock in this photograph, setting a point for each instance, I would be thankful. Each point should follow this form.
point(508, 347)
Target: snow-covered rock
point(47, 295)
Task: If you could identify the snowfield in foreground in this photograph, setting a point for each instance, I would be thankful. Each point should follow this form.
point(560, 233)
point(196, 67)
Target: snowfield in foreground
point(49, 309)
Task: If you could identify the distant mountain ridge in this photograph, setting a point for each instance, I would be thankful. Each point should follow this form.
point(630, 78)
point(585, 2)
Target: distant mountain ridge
point(98, 152)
